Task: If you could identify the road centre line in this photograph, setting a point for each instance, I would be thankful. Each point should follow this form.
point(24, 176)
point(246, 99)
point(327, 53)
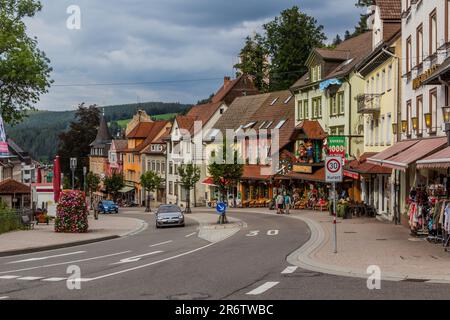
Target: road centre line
point(288, 270)
point(263, 288)
point(64, 263)
point(55, 279)
point(191, 234)
point(161, 243)
point(30, 278)
point(148, 264)
point(9, 277)
point(48, 257)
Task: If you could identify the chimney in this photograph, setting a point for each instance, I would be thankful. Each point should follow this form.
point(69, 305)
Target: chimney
point(226, 81)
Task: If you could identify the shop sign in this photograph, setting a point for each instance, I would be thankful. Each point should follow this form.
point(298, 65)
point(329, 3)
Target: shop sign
point(417, 82)
point(302, 169)
point(336, 146)
point(352, 175)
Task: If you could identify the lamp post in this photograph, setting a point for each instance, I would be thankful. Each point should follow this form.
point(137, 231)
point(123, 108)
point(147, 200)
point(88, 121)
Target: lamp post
point(73, 167)
point(446, 113)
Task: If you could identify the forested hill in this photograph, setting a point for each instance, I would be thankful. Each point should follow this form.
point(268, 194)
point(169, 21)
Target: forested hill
point(38, 134)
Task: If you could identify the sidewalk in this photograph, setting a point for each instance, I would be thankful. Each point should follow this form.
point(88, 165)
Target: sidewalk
point(43, 237)
point(364, 242)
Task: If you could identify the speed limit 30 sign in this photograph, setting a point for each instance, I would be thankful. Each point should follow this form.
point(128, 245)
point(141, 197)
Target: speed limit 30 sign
point(334, 169)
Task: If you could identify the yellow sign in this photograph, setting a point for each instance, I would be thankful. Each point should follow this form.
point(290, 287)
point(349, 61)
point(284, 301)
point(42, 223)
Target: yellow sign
point(302, 169)
point(418, 81)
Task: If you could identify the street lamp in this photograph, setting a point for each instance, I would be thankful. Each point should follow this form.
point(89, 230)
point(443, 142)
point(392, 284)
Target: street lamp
point(404, 126)
point(73, 166)
point(415, 123)
point(446, 112)
point(394, 128)
point(428, 120)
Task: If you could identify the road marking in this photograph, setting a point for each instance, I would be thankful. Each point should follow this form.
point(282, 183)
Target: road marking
point(160, 244)
point(263, 288)
point(54, 279)
point(9, 277)
point(49, 257)
point(291, 269)
point(4, 298)
point(253, 233)
point(137, 258)
point(191, 234)
point(64, 263)
point(149, 264)
point(30, 278)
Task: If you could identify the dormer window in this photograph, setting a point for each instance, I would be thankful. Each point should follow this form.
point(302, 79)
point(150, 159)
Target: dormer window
point(274, 101)
point(316, 73)
point(249, 125)
point(287, 100)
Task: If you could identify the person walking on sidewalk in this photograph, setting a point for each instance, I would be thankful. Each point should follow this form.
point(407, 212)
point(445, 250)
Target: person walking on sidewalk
point(280, 203)
point(287, 203)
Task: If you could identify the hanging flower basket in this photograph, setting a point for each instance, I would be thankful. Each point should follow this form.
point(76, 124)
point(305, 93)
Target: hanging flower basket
point(72, 213)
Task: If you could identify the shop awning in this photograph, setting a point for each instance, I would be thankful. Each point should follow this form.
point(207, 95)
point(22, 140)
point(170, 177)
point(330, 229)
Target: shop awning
point(391, 151)
point(441, 72)
point(209, 182)
point(126, 189)
point(438, 160)
point(318, 176)
point(361, 166)
point(419, 150)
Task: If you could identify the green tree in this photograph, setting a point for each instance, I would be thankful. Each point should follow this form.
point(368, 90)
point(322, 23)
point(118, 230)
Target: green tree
point(75, 142)
point(289, 40)
point(225, 175)
point(150, 181)
point(254, 60)
point(362, 24)
point(113, 184)
point(337, 40)
point(24, 69)
point(189, 176)
point(92, 184)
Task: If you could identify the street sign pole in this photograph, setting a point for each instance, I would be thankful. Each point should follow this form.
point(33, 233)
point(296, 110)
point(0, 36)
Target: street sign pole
point(334, 219)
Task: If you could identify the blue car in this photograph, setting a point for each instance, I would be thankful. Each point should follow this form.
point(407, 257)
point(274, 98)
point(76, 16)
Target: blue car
point(108, 206)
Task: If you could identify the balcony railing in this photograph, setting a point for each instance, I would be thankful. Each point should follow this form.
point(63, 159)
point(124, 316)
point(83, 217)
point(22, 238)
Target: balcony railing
point(369, 103)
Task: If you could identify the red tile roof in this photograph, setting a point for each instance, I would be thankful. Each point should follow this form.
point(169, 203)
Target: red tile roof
point(390, 9)
point(253, 172)
point(312, 130)
point(141, 131)
point(318, 176)
point(204, 112)
point(152, 131)
point(10, 186)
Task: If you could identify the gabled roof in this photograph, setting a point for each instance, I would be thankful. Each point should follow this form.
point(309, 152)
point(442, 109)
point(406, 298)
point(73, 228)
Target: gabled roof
point(204, 112)
point(141, 131)
point(232, 89)
point(350, 53)
point(10, 186)
point(240, 111)
point(153, 130)
point(389, 9)
point(186, 122)
point(312, 129)
point(120, 145)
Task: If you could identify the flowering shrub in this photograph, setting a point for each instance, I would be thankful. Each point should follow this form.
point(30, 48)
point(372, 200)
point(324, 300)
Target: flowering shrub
point(72, 213)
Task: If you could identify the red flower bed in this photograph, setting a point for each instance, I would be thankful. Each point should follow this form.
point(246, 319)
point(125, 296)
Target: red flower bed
point(72, 213)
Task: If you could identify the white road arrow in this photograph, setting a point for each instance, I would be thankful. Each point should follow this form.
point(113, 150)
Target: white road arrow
point(137, 258)
point(49, 257)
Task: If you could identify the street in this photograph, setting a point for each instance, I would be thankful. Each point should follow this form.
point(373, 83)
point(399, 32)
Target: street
point(175, 263)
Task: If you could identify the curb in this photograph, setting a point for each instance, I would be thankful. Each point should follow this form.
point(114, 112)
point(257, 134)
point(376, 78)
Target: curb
point(302, 258)
point(142, 227)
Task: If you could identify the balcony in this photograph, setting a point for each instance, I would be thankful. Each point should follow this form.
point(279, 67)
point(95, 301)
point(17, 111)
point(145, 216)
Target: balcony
point(369, 103)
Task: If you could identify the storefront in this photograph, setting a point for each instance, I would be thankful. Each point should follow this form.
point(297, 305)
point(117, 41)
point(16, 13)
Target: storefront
point(256, 188)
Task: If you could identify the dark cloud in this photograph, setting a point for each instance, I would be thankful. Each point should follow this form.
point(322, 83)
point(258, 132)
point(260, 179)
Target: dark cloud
point(158, 40)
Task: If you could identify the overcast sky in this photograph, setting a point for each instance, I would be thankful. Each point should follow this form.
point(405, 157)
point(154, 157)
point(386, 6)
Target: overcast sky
point(129, 41)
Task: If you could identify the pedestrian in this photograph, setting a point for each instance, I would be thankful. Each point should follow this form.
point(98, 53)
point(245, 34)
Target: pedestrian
point(287, 203)
point(280, 203)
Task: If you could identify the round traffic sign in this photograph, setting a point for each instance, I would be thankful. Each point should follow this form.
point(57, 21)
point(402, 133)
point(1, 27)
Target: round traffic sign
point(221, 207)
point(333, 166)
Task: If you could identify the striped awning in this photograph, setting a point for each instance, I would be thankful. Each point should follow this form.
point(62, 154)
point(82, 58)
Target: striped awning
point(439, 160)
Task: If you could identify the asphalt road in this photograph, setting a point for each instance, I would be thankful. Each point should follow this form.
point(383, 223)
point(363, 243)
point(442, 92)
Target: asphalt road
point(175, 264)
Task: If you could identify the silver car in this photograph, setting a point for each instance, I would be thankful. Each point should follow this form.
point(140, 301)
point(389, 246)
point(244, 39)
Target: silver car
point(169, 215)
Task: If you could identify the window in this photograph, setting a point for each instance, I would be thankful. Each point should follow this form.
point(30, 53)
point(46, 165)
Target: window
point(408, 116)
point(158, 167)
point(316, 73)
point(377, 132)
point(433, 109)
point(368, 87)
point(419, 113)
point(149, 166)
point(408, 55)
point(389, 130)
point(383, 119)
point(341, 103)
point(280, 124)
point(377, 87)
point(419, 46)
point(176, 189)
point(433, 32)
point(170, 167)
point(274, 101)
point(170, 187)
point(383, 81)
point(372, 87)
point(306, 109)
point(222, 110)
point(299, 110)
point(153, 166)
point(317, 107)
point(333, 106)
point(163, 167)
point(175, 169)
point(389, 79)
point(287, 100)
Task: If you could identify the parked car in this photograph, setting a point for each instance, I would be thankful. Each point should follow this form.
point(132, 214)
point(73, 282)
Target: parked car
point(108, 206)
point(169, 215)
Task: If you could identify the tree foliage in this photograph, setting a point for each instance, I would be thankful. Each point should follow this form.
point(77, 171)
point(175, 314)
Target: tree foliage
point(151, 181)
point(113, 184)
point(189, 176)
point(92, 183)
point(289, 40)
point(254, 61)
point(75, 143)
point(24, 69)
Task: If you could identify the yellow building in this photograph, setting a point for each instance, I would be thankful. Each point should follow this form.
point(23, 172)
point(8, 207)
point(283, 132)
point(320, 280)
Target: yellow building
point(140, 135)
